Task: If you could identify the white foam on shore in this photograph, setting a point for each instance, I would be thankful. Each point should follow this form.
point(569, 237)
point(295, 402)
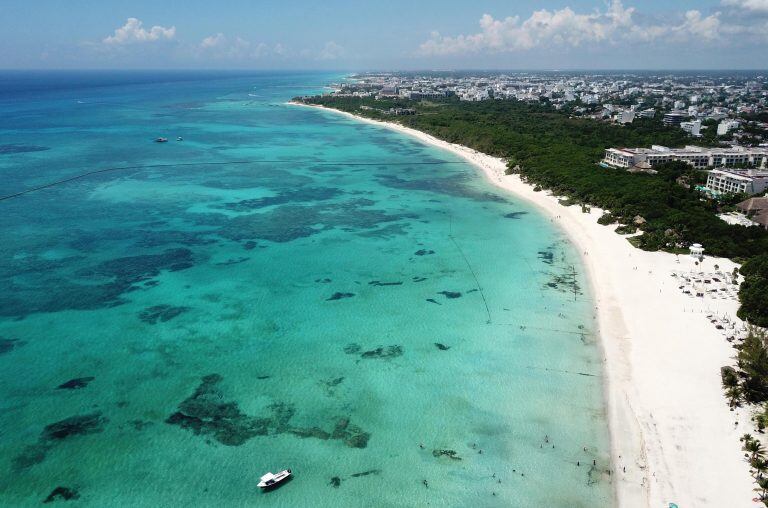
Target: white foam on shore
point(669, 420)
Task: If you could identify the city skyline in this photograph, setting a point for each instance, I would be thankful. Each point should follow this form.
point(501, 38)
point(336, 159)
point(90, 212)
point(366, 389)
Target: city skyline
point(340, 35)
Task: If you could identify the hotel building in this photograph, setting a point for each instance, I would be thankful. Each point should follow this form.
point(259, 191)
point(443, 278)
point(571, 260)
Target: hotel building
point(737, 181)
point(695, 156)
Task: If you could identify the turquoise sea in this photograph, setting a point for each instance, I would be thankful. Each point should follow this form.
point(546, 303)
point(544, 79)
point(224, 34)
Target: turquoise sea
point(283, 288)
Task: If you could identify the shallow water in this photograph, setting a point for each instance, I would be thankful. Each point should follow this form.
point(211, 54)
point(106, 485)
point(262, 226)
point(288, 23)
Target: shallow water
point(370, 326)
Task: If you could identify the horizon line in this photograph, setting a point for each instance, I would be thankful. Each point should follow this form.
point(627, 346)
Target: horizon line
point(372, 70)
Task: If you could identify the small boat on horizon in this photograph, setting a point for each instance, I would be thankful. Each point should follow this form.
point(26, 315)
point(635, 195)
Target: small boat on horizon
point(272, 480)
point(161, 140)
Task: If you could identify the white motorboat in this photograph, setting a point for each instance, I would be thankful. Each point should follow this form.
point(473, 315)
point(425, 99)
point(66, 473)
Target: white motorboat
point(271, 480)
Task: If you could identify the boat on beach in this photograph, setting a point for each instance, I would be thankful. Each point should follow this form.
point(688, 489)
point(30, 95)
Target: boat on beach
point(272, 480)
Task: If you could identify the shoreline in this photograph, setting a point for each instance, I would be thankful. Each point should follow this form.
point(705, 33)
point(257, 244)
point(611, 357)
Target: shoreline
point(669, 421)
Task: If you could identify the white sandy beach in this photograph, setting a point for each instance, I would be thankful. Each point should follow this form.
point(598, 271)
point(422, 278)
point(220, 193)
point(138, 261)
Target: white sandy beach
point(670, 424)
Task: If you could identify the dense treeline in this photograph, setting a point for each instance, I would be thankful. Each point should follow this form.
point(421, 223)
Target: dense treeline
point(552, 150)
point(748, 382)
point(753, 292)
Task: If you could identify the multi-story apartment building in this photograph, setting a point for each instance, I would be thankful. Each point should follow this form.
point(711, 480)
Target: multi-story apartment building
point(695, 156)
point(737, 181)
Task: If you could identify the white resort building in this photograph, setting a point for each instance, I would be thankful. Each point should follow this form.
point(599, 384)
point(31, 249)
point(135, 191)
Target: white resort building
point(696, 156)
point(692, 128)
point(737, 181)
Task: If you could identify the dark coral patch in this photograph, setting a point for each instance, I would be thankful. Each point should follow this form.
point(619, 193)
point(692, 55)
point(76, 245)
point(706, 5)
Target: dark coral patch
point(205, 413)
point(281, 225)
point(366, 473)
point(299, 195)
point(546, 256)
point(161, 313)
point(140, 424)
point(424, 252)
point(32, 454)
point(103, 287)
point(292, 221)
point(331, 384)
point(352, 349)
point(352, 435)
point(76, 383)
point(335, 482)
point(442, 347)
point(17, 148)
point(132, 269)
point(314, 432)
point(565, 282)
point(383, 353)
point(58, 431)
point(451, 454)
point(62, 493)
point(74, 426)
point(418, 279)
point(451, 295)
point(8, 345)
point(339, 296)
point(379, 283)
point(432, 300)
point(515, 215)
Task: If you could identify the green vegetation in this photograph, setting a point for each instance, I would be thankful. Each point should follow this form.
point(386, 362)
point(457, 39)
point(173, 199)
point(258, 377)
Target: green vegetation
point(753, 369)
point(754, 453)
point(749, 383)
point(753, 292)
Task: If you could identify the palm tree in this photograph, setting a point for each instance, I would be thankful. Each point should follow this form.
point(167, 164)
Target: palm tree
point(755, 448)
point(760, 466)
point(762, 488)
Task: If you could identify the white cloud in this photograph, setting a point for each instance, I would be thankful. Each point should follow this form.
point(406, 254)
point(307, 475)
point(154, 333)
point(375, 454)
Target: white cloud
point(133, 32)
point(331, 51)
point(696, 25)
point(748, 5)
point(213, 41)
point(543, 27)
point(221, 47)
point(567, 28)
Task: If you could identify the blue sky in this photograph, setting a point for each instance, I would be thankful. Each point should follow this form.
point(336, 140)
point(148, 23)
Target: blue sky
point(392, 34)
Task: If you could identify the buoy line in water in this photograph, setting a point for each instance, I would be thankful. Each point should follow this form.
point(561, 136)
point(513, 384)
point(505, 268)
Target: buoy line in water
point(181, 164)
point(471, 270)
point(474, 276)
point(583, 333)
